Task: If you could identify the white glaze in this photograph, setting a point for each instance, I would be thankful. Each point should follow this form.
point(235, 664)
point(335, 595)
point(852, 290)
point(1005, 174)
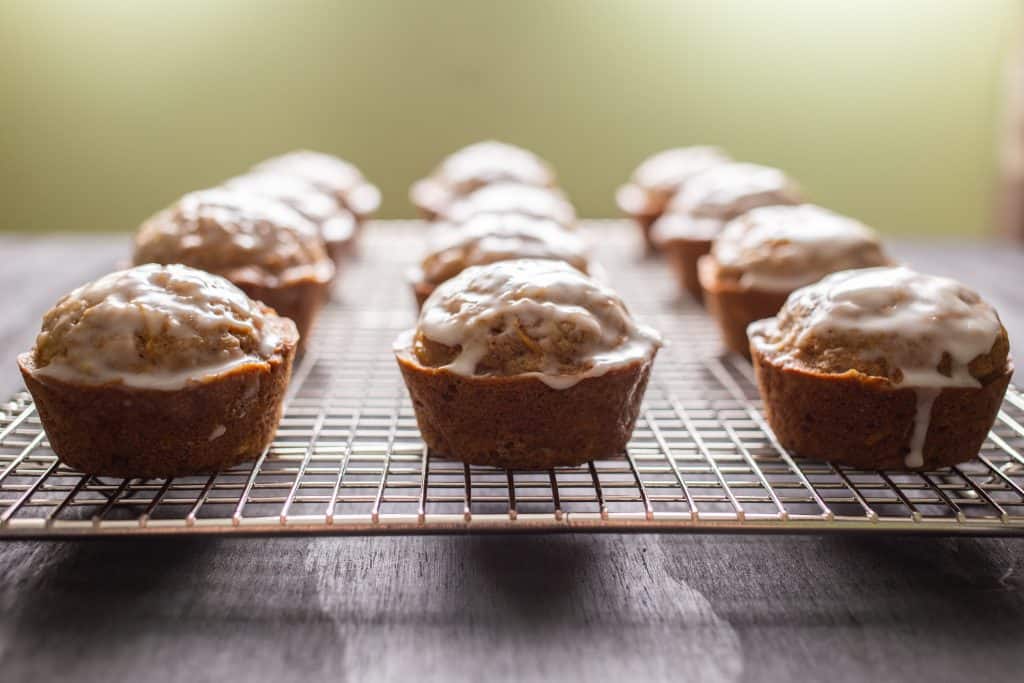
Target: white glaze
point(782, 248)
point(723, 192)
point(671, 168)
point(490, 161)
point(540, 202)
point(336, 223)
point(98, 325)
point(329, 173)
point(538, 296)
point(488, 238)
point(926, 316)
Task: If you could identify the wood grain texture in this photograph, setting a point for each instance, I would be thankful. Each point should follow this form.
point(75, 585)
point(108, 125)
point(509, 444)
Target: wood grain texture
point(599, 607)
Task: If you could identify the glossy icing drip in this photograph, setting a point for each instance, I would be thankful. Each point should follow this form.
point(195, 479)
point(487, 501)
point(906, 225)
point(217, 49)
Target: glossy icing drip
point(153, 326)
point(671, 168)
point(336, 223)
point(549, 300)
point(487, 162)
point(539, 202)
point(781, 248)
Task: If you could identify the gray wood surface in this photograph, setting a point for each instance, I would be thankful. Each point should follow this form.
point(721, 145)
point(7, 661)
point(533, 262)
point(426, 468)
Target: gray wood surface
point(602, 607)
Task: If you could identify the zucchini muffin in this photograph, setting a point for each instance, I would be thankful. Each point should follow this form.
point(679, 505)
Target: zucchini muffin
point(473, 167)
point(882, 368)
point(492, 237)
point(261, 245)
point(709, 200)
point(336, 223)
point(767, 253)
point(526, 364)
point(159, 371)
point(655, 181)
point(528, 200)
point(328, 174)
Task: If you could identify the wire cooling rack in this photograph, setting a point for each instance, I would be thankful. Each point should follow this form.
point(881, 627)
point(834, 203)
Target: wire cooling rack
point(349, 459)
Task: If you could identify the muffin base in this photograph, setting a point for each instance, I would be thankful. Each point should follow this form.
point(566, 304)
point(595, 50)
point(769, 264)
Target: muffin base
point(522, 423)
point(682, 255)
point(129, 432)
point(865, 422)
point(733, 307)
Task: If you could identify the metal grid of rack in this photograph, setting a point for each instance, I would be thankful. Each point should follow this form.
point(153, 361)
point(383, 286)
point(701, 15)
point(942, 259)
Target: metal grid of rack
point(349, 459)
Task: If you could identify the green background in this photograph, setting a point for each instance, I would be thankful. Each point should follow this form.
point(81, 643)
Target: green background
point(886, 110)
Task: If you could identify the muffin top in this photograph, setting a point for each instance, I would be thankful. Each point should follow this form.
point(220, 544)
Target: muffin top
point(781, 248)
point(328, 174)
point(490, 161)
point(336, 223)
point(666, 171)
point(715, 196)
point(891, 322)
point(242, 236)
point(157, 327)
point(527, 317)
point(491, 237)
point(529, 200)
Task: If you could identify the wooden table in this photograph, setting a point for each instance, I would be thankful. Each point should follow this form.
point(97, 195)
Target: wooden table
point(600, 607)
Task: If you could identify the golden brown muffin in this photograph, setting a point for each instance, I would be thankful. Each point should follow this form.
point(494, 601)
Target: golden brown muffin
point(709, 200)
point(159, 371)
point(336, 223)
point(261, 245)
point(527, 200)
point(659, 178)
point(882, 368)
point(526, 364)
point(767, 253)
point(473, 167)
point(328, 174)
point(489, 238)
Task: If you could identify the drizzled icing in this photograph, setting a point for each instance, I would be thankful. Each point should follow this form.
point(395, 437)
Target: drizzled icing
point(490, 161)
point(926, 329)
point(488, 238)
point(781, 248)
point(712, 198)
point(152, 326)
point(336, 223)
point(539, 202)
point(581, 328)
point(328, 174)
point(240, 235)
point(671, 168)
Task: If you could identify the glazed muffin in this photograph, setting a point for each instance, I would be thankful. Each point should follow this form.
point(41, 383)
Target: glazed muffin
point(659, 178)
point(882, 368)
point(473, 167)
point(709, 200)
point(489, 238)
point(328, 174)
point(526, 364)
point(767, 253)
point(267, 249)
point(528, 200)
point(336, 223)
point(159, 371)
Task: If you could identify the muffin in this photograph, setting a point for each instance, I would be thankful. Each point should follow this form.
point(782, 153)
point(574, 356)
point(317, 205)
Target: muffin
point(159, 371)
point(328, 174)
point(336, 223)
point(882, 368)
point(767, 253)
point(655, 181)
point(267, 249)
point(492, 237)
point(473, 167)
point(706, 203)
point(526, 364)
point(528, 200)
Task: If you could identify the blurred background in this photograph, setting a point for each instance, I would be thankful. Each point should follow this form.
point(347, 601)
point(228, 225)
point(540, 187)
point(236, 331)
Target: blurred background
point(892, 112)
